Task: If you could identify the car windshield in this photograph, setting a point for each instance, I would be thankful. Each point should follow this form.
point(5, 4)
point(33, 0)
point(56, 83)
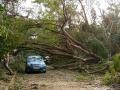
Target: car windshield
point(34, 59)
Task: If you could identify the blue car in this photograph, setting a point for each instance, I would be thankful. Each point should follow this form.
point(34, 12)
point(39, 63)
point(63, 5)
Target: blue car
point(35, 63)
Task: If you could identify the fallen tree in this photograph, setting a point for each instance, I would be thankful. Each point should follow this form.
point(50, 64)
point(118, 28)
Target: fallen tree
point(69, 44)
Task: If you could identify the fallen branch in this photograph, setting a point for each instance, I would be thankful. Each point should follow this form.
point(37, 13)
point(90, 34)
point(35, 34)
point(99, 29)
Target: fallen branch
point(67, 65)
point(51, 47)
point(100, 70)
point(87, 52)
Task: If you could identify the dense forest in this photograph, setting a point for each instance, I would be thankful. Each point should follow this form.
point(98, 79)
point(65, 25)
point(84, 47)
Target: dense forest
point(64, 32)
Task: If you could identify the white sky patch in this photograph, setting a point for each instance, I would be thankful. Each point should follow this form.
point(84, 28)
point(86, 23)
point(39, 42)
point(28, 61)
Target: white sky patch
point(0, 1)
point(27, 6)
point(97, 5)
point(35, 9)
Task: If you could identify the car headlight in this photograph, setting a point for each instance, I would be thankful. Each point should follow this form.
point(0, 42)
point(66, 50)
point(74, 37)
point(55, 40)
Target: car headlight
point(28, 64)
point(42, 66)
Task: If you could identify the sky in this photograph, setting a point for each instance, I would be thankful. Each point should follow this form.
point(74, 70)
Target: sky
point(97, 4)
point(28, 5)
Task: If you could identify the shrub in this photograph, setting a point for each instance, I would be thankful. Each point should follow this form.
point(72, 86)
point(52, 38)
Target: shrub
point(18, 65)
point(97, 47)
point(112, 76)
point(116, 62)
point(107, 79)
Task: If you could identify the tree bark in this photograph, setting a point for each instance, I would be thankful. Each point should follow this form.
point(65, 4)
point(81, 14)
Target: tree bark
point(6, 63)
point(85, 16)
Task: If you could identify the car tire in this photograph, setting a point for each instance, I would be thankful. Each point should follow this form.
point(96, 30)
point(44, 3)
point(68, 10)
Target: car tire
point(44, 71)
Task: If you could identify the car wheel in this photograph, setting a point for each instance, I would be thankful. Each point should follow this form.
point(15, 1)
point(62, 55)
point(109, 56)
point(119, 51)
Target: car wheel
point(44, 71)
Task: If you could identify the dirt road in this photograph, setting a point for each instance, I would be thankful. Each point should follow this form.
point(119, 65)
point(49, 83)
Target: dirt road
point(59, 80)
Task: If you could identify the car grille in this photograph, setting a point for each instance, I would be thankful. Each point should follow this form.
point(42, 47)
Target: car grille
point(36, 66)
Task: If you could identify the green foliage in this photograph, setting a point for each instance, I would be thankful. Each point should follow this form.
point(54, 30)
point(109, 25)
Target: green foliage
point(112, 76)
point(53, 9)
point(92, 38)
point(112, 69)
point(45, 36)
point(116, 62)
point(1, 8)
point(97, 47)
point(107, 79)
point(115, 40)
point(85, 77)
point(80, 36)
point(10, 35)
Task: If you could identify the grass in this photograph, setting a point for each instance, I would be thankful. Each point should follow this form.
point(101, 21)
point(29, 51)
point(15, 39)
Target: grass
point(85, 77)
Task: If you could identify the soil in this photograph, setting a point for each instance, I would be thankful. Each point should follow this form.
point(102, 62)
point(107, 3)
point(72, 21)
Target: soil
point(5, 81)
point(60, 80)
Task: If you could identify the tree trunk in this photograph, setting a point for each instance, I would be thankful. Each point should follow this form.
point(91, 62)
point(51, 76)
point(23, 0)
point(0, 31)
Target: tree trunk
point(6, 64)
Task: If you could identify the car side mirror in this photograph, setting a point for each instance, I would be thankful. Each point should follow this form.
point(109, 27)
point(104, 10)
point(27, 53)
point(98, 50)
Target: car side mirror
point(45, 60)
